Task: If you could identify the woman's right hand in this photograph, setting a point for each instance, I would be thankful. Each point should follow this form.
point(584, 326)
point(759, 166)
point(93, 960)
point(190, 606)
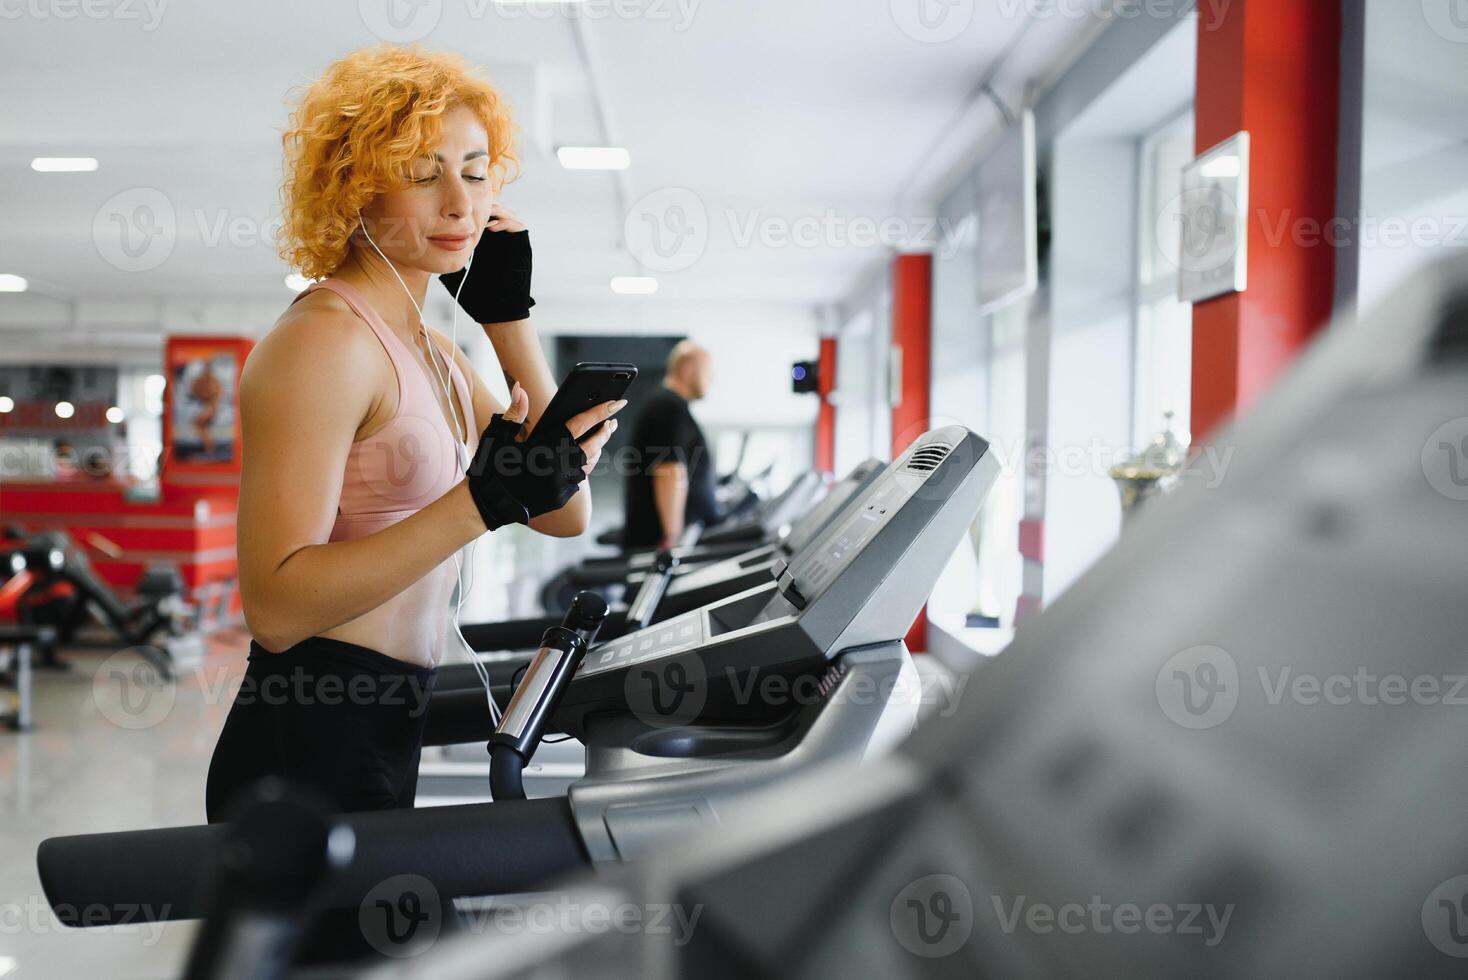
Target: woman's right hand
point(592, 445)
point(514, 477)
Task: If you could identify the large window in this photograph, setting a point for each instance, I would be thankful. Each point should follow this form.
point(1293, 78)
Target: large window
point(1164, 339)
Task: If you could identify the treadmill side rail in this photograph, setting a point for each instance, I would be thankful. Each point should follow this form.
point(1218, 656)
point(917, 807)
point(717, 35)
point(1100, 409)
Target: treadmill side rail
point(630, 801)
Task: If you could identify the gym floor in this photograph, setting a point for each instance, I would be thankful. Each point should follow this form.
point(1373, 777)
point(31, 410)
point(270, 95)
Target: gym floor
point(102, 759)
point(75, 773)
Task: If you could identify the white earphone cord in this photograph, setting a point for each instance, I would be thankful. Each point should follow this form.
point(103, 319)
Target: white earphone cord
point(463, 589)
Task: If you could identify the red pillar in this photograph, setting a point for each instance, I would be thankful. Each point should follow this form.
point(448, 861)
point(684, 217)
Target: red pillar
point(1271, 67)
point(826, 420)
point(912, 333)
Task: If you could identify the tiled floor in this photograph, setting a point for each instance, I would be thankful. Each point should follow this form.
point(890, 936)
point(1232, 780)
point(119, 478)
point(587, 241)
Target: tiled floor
point(109, 751)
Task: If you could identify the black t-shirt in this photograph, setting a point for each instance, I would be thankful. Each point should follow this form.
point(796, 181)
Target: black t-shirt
point(666, 432)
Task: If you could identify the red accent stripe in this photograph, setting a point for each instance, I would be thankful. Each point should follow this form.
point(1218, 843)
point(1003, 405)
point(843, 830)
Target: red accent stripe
point(1032, 539)
point(826, 420)
point(1271, 67)
point(912, 330)
point(195, 531)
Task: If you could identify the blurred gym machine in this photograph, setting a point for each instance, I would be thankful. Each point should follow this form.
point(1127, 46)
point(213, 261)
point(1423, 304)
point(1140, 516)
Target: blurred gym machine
point(1236, 747)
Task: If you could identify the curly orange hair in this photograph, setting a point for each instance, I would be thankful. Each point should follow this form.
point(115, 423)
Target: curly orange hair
point(358, 129)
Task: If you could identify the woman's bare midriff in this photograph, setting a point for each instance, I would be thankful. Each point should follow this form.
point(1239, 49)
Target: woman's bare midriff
point(412, 626)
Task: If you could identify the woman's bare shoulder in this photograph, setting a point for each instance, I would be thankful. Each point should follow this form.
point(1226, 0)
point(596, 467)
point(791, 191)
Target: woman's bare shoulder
point(319, 336)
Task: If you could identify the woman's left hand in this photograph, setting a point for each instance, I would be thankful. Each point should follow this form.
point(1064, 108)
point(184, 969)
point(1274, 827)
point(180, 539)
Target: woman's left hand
point(502, 218)
point(498, 286)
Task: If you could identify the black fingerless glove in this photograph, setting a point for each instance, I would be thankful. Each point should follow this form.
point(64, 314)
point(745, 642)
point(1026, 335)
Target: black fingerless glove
point(512, 482)
point(498, 290)
point(493, 499)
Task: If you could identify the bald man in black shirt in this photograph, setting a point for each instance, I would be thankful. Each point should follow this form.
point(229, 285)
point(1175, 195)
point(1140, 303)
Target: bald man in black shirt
point(671, 484)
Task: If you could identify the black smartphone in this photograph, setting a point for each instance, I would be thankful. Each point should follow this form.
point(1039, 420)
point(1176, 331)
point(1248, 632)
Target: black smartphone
point(589, 383)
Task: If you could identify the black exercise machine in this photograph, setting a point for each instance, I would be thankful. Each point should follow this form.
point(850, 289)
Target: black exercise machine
point(763, 524)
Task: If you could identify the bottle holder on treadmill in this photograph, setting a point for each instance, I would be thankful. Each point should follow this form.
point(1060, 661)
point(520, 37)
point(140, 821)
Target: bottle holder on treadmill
point(700, 741)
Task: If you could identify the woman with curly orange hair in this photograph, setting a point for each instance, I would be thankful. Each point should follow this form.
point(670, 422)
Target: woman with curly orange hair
point(372, 451)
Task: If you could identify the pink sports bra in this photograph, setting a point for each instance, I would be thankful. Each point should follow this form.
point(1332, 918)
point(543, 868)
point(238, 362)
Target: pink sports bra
point(410, 462)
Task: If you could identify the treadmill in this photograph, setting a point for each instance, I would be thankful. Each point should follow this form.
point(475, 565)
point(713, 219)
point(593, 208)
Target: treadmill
point(1083, 775)
point(807, 670)
point(765, 524)
point(690, 586)
point(461, 772)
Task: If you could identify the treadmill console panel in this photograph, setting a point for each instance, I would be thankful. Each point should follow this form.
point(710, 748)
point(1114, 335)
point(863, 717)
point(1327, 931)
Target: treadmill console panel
point(760, 628)
point(662, 640)
point(808, 575)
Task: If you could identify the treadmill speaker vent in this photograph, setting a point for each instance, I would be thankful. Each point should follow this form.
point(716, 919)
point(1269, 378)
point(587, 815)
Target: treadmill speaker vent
point(926, 459)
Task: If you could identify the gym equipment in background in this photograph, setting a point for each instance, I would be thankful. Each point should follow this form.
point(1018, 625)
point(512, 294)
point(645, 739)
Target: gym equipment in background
point(610, 575)
point(62, 591)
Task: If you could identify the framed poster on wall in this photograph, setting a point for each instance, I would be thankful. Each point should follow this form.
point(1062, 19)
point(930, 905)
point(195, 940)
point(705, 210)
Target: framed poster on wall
point(1212, 216)
point(201, 419)
point(1008, 212)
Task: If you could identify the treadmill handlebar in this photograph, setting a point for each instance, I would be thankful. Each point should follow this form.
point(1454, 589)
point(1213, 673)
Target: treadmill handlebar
point(472, 849)
point(655, 583)
point(562, 649)
point(690, 535)
point(278, 855)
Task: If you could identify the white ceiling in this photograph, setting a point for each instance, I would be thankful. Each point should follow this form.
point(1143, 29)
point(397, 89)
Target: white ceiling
point(768, 111)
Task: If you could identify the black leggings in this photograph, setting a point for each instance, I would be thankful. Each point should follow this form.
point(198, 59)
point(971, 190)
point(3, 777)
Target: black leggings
point(341, 718)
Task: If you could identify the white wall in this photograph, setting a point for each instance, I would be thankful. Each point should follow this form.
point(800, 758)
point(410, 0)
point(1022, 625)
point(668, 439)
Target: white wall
point(1414, 193)
point(862, 396)
point(1091, 360)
